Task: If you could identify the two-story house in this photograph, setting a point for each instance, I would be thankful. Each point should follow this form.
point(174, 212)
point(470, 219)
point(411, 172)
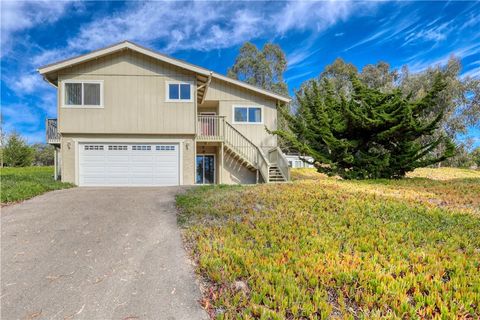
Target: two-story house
point(129, 116)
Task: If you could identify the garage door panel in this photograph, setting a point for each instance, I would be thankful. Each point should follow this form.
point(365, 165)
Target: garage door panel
point(118, 158)
point(91, 157)
point(93, 169)
point(128, 164)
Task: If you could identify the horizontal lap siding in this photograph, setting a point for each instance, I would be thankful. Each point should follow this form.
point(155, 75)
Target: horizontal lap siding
point(134, 98)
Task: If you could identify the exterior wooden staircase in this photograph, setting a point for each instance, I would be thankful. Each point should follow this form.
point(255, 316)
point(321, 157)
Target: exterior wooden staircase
point(270, 167)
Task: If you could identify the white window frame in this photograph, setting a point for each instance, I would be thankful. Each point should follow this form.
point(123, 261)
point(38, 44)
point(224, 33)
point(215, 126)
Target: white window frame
point(167, 91)
point(73, 106)
point(248, 107)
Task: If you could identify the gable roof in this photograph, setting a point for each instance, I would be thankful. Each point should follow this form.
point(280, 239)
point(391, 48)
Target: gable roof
point(127, 45)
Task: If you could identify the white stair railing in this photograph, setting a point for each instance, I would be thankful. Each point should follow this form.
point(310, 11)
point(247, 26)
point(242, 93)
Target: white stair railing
point(216, 128)
point(276, 155)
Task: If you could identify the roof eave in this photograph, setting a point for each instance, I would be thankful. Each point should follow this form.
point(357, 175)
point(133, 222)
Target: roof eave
point(44, 70)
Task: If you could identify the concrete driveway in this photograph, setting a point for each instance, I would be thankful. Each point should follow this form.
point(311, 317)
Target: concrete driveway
point(96, 253)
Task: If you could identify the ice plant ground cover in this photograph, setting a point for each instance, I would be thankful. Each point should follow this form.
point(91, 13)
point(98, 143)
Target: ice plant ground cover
point(321, 247)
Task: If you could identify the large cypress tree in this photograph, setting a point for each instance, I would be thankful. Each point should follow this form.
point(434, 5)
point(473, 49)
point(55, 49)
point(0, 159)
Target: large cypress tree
point(370, 134)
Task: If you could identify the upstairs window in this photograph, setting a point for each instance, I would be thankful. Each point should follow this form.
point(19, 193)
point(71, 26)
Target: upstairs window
point(243, 114)
point(179, 91)
point(83, 94)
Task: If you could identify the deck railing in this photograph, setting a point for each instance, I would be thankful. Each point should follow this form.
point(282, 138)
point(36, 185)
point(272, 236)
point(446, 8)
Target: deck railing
point(210, 128)
point(215, 128)
point(53, 137)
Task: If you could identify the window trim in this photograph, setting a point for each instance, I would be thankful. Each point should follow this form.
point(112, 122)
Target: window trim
point(82, 106)
point(167, 91)
point(262, 115)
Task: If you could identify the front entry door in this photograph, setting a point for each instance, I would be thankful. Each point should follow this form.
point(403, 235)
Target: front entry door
point(205, 169)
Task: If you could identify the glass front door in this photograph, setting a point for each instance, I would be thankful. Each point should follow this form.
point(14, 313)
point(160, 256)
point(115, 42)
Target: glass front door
point(205, 169)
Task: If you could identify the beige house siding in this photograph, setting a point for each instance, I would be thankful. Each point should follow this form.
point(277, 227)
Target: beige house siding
point(229, 95)
point(69, 145)
point(134, 88)
point(135, 110)
point(233, 172)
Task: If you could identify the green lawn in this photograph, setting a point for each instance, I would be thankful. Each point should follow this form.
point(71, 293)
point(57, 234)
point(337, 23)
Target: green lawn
point(321, 247)
point(23, 183)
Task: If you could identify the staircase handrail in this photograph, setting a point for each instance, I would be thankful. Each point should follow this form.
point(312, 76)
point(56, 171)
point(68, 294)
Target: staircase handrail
point(257, 158)
point(282, 162)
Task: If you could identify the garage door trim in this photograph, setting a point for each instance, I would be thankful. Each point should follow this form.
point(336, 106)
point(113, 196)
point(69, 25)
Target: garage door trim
point(78, 142)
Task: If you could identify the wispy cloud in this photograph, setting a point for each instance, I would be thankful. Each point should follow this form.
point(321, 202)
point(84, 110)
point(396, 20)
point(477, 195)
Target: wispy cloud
point(299, 76)
point(390, 29)
point(416, 64)
point(311, 33)
point(211, 25)
point(17, 16)
point(435, 33)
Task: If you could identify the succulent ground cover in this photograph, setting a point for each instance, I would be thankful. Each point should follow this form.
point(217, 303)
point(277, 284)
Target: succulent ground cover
point(327, 248)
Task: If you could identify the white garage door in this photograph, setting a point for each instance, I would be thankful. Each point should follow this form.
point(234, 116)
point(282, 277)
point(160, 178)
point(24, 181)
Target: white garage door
point(120, 164)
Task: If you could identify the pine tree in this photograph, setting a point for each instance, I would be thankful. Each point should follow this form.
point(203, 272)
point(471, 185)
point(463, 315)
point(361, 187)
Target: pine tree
point(371, 134)
point(16, 152)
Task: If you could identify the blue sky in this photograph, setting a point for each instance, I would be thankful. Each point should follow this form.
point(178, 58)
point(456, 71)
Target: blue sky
point(312, 34)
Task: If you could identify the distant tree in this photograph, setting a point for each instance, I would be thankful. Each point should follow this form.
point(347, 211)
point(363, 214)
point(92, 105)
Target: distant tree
point(475, 155)
point(262, 68)
point(462, 158)
point(380, 76)
point(16, 152)
point(43, 154)
point(2, 140)
point(371, 134)
point(460, 101)
point(339, 75)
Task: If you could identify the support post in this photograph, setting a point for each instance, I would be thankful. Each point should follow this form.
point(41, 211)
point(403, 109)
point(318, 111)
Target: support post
point(55, 164)
point(222, 162)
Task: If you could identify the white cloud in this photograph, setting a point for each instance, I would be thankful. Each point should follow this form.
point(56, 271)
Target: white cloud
point(28, 83)
point(168, 26)
point(435, 33)
point(389, 29)
point(20, 15)
point(416, 64)
point(211, 25)
point(472, 73)
point(302, 15)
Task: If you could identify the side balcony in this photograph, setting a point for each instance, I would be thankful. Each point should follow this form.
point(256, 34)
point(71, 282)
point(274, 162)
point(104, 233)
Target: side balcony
point(53, 137)
point(210, 128)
